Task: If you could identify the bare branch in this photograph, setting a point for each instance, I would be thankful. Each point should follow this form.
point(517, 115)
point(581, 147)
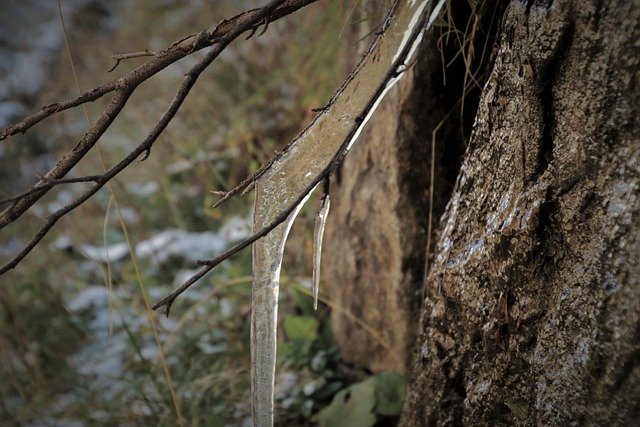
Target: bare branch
point(188, 82)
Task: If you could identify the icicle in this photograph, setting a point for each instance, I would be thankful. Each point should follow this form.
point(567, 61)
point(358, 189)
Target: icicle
point(267, 260)
point(321, 220)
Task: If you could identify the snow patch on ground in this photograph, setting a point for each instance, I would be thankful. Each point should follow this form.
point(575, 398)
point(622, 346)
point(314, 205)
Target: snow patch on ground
point(167, 244)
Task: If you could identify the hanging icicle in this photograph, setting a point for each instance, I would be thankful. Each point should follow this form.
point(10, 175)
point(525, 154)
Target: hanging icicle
point(318, 233)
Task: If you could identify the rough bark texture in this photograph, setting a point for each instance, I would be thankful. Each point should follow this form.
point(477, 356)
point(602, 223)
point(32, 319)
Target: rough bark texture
point(532, 313)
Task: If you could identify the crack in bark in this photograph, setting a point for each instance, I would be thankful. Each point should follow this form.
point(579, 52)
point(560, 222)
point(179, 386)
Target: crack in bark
point(547, 79)
point(597, 15)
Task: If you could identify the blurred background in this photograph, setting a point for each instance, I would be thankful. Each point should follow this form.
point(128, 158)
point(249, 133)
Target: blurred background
point(78, 342)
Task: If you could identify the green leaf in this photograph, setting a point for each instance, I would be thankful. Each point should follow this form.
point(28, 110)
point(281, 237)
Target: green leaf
point(389, 393)
point(351, 407)
point(303, 328)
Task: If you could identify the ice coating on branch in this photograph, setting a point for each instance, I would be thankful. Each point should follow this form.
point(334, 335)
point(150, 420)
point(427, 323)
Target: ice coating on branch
point(400, 72)
point(434, 14)
point(333, 132)
point(318, 233)
point(418, 40)
point(415, 19)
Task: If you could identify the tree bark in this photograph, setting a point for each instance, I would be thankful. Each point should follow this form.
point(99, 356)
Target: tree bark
point(532, 305)
point(532, 309)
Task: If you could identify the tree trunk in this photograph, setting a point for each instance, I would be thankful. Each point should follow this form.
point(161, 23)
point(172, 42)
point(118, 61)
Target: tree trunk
point(532, 304)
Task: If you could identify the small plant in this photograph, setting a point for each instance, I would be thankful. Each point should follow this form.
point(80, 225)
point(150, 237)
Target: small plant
point(375, 401)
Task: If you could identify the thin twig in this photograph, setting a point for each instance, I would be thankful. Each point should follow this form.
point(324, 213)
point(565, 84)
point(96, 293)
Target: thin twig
point(121, 56)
